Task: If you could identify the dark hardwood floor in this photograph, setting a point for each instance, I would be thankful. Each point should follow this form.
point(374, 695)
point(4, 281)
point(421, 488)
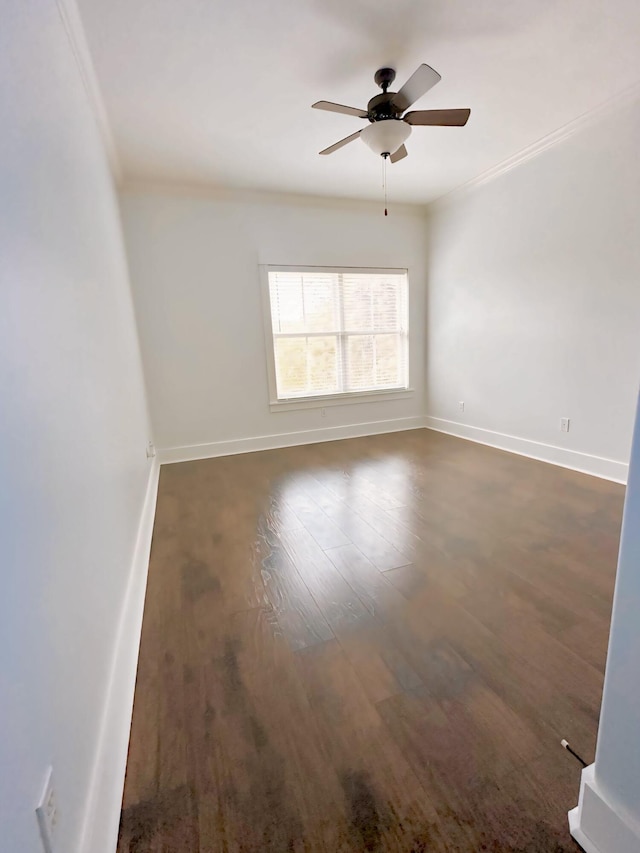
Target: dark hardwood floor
point(369, 645)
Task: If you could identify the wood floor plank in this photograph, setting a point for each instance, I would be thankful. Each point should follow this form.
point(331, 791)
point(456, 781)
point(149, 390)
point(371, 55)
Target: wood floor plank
point(373, 588)
point(375, 547)
point(386, 805)
point(405, 544)
point(326, 533)
point(369, 645)
point(338, 602)
point(264, 782)
point(470, 777)
point(382, 667)
point(297, 611)
point(546, 693)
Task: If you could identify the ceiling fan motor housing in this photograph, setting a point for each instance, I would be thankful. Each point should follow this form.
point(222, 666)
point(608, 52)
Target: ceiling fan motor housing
point(381, 107)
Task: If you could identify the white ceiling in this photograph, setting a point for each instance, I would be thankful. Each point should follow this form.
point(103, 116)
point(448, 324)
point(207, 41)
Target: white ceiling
point(218, 92)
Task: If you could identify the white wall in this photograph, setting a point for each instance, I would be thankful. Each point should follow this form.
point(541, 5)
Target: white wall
point(607, 819)
point(618, 754)
point(194, 266)
point(73, 427)
point(617, 767)
point(534, 300)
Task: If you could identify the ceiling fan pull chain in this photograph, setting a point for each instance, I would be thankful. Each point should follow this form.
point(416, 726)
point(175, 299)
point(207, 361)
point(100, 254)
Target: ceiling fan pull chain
point(384, 182)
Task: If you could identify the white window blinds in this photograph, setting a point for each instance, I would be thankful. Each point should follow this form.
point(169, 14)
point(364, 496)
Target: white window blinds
point(338, 332)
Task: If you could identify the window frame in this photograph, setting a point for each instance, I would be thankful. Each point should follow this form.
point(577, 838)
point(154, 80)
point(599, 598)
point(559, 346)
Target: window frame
point(341, 398)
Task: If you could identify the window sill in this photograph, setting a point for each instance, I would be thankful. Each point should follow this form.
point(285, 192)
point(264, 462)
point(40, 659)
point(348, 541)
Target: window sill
point(339, 399)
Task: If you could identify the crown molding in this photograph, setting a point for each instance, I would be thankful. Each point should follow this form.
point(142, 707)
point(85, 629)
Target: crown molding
point(247, 195)
point(594, 116)
point(74, 29)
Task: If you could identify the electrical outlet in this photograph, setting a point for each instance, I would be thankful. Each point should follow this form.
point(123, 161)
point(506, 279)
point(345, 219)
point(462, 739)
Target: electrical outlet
point(151, 450)
point(564, 424)
point(323, 413)
point(461, 405)
point(47, 812)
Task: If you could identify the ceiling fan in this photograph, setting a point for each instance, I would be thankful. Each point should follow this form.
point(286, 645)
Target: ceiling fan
point(388, 128)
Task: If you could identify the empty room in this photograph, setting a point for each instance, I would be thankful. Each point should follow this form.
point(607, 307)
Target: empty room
point(319, 377)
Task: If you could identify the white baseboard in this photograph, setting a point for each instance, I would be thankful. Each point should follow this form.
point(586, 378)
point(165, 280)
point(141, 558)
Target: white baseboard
point(597, 825)
point(607, 469)
point(104, 800)
point(285, 439)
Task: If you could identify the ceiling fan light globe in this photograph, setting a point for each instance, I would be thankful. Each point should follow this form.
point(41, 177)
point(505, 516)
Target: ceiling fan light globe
point(386, 136)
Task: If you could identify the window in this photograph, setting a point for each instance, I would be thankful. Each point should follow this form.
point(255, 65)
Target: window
point(337, 332)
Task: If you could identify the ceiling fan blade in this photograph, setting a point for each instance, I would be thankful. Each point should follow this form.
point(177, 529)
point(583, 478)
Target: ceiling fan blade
point(420, 82)
point(339, 108)
point(342, 142)
point(400, 154)
point(442, 118)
